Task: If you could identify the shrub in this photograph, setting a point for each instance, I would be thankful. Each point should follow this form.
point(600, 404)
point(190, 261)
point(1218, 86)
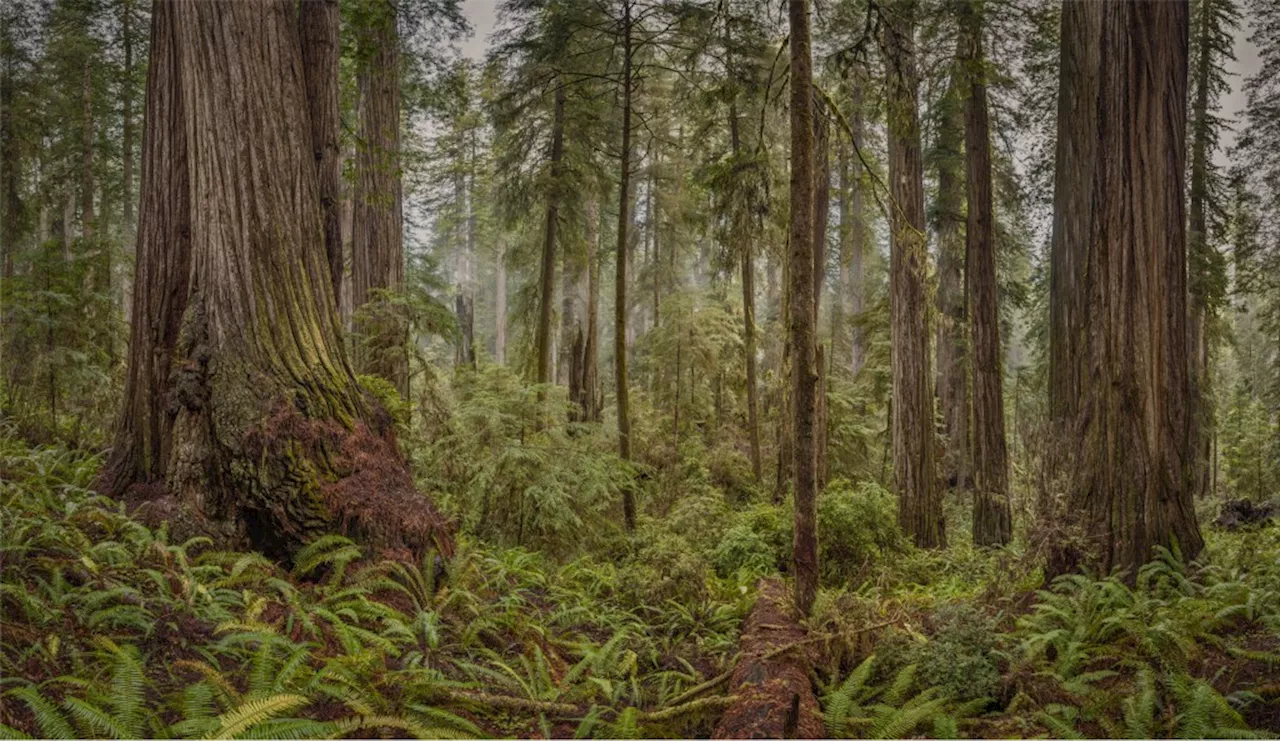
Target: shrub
point(665, 567)
point(960, 657)
point(856, 525)
point(758, 542)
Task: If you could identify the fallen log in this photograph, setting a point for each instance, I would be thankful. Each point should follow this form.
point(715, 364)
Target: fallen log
point(771, 678)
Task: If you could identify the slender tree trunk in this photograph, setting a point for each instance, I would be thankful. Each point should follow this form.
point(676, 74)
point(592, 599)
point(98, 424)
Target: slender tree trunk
point(500, 309)
point(86, 157)
point(1199, 253)
point(859, 235)
point(620, 274)
point(591, 402)
point(377, 252)
point(919, 503)
point(952, 344)
point(1075, 161)
point(1132, 489)
point(570, 279)
point(992, 516)
point(240, 398)
point(747, 249)
point(318, 34)
point(547, 284)
point(10, 172)
point(126, 100)
point(801, 305)
point(821, 209)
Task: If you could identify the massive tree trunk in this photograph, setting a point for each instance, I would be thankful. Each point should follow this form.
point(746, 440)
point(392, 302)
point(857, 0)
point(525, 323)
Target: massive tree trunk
point(952, 345)
point(919, 503)
point(802, 305)
point(242, 417)
point(318, 33)
point(622, 258)
point(992, 518)
point(1132, 490)
point(377, 251)
point(1075, 160)
point(547, 284)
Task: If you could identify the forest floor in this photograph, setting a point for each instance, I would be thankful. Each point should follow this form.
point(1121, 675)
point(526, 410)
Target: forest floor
point(109, 629)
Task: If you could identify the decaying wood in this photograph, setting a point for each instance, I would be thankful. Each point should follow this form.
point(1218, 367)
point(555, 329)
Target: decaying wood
point(775, 696)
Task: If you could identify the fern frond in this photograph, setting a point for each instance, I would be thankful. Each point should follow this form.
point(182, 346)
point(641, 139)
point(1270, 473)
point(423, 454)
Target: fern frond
point(252, 712)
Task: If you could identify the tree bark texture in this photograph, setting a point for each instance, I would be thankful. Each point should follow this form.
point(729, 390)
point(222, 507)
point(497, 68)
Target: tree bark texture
point(242, 417)
point(377, 251)
point(952, 344)
point(1075, 160)
point(802, 305)
point(1133, 489)
point(992, 516)
point(622, 259)
point(919, 503)
point(318, 31)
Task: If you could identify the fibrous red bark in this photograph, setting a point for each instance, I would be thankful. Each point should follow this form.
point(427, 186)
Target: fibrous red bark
point(242, 417)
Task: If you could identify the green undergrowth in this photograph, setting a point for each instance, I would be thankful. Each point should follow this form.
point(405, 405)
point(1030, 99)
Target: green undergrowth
point(111, 629)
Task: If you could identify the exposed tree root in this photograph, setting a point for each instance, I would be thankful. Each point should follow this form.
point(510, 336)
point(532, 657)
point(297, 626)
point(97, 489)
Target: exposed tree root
point(771, 679)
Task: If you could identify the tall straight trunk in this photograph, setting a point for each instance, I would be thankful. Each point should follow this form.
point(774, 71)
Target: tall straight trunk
point(655, 232)
point(500, 309)
point(570, 277)
point(547, 284)
point(620, 273)
point(841, 339)
point(821, 209)
point(126, 151)
point(859, 234)
point(802, 305)
point(86, 157)
point(1199, 255)
point(318, 35)
point(377, 250)
point(590, 400)
point(1132, 490)
point(1075, 161)
point(992, 516)
point(919, 502)
point(10, 171)
point(242, 413)
point(952, 344)
point(742, 232)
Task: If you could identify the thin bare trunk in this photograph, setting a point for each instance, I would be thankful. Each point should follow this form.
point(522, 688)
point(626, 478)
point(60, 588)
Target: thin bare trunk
point(620, 274)
point(500, 309)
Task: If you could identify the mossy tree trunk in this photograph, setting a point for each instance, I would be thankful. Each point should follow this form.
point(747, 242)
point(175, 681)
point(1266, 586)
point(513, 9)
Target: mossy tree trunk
point(802, 308)
point(377, 253)
point(242, 417)
point(919, 503)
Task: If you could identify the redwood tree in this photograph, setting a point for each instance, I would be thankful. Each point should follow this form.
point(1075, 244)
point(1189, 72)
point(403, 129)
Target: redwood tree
point(919, 503)
point(377, 253)
point(801, 308)
point(992, 519)
point(318, 32)
point(242, 417)
point(1133, 488)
